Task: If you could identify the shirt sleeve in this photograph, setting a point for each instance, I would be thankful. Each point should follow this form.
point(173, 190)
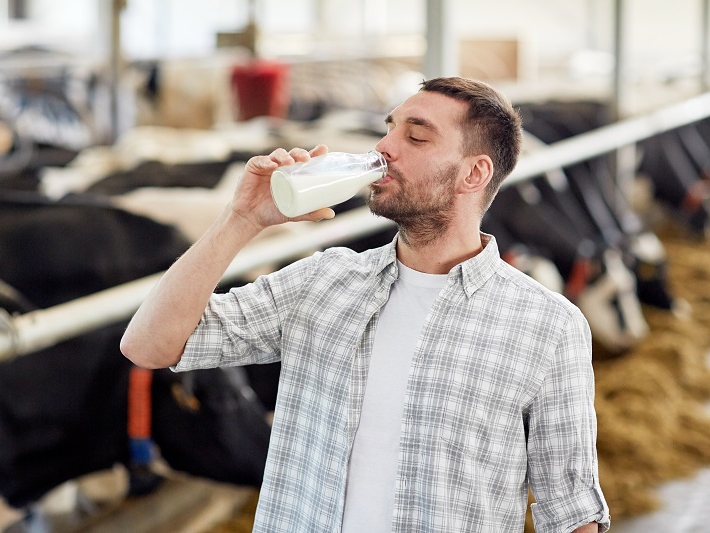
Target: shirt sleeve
point(562, 425)
point(244, 325)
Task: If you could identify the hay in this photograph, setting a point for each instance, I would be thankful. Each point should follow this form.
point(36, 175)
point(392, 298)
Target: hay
point(651, 402)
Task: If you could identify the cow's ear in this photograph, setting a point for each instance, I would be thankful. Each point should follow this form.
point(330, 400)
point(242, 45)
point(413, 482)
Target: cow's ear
point(476, 172)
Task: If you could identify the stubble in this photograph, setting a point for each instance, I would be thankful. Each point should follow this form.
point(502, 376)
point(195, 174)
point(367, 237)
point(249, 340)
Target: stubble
point(423, 210)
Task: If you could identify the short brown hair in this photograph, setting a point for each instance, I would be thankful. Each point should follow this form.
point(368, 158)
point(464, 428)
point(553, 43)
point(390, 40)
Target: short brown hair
point(492, 126)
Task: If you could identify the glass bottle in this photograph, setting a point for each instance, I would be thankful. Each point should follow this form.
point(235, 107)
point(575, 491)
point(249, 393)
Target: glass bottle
point(324, 181)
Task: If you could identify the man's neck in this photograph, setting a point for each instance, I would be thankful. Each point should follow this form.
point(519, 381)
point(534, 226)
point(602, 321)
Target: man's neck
point(440, 255)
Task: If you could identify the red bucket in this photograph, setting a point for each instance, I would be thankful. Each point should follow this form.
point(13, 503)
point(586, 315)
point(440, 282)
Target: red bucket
point(261, 88)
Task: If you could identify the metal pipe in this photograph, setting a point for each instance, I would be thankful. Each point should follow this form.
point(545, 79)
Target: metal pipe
point(619, 60)
point(441, 57)
point(609, 138)
point(115, 65)
point(620, 158)
point(705, 45)
point(46, 327)
point(40, 329)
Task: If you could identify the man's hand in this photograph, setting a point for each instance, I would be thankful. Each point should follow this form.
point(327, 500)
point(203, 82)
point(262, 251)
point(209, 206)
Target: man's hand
point(252, 199)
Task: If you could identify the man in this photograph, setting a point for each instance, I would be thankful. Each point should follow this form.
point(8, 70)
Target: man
point(424, 384)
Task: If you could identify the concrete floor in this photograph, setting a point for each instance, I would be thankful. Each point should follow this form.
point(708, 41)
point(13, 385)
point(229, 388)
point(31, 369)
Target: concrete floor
point(686, 509)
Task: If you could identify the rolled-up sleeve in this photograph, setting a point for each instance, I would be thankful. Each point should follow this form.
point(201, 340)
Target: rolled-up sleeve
point(562, 458)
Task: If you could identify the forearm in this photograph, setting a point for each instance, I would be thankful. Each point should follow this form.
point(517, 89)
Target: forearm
point(157, 333)
point(589, 528)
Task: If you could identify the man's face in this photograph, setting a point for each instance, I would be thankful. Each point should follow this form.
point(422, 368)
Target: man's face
point(423, 151)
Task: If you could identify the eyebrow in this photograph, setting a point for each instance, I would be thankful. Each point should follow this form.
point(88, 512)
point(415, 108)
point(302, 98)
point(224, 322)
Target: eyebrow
point(417, 121)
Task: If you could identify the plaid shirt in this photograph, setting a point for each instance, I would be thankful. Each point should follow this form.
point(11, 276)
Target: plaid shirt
point(500, 394)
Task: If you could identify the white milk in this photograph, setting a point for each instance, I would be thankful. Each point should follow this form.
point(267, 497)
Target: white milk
point(324, 181)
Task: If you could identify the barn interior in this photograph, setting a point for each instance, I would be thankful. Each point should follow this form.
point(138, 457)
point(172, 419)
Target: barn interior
point(125, 125)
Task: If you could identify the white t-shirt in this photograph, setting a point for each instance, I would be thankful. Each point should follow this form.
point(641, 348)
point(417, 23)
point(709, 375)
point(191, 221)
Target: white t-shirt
point(372, 472)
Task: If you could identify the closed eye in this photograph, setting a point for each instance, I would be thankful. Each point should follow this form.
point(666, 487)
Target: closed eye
point(414, 139)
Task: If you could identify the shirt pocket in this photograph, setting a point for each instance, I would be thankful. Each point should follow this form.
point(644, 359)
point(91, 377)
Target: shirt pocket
point(484, 429)
point(464, 427)
point(464, 418)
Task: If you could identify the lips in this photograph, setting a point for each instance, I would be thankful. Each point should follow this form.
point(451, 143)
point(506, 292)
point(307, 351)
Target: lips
point(382, 181)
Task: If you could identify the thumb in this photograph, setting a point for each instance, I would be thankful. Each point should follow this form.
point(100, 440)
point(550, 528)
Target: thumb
point(326, 213)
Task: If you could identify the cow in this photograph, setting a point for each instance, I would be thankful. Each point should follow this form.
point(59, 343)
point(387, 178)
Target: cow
point(64, 410)
point(676, 180)
point(599, 200)
point(206, 423)
point(696, 140)
point(524, 257)
point(594, 274)
point(622, 229)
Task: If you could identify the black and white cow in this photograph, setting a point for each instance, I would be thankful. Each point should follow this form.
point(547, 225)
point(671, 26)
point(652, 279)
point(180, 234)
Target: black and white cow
point(595, 277)
point(676, 179)
point(64, 409)
point(599, 198)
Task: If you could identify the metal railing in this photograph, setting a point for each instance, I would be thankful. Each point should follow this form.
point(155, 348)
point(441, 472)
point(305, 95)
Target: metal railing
point(40, 329)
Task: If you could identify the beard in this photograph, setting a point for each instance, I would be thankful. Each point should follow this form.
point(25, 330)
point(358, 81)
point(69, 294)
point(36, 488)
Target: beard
point(423, 210)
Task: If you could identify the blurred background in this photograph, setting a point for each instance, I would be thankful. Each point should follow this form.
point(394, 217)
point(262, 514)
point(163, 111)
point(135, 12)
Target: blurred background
point(125, 123)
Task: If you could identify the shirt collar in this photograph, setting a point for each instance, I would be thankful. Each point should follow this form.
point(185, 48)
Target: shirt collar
point(475, 272)
point(472, 273)
point(388, 259)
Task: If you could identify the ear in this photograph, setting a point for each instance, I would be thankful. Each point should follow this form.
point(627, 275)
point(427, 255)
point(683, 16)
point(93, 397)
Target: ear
point(477, 172)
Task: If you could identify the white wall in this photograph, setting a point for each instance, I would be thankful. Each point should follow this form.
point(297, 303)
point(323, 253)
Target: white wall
point(169, 28)
point(659, 33)
point(67, 25)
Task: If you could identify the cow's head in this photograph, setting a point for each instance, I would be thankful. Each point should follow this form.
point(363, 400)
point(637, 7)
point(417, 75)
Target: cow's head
point(536, 266)
point(606, 294)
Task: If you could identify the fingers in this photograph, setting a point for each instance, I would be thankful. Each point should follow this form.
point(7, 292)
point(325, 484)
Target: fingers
point(319, 150)
point(299, 154)
point(325, 213)
point(266, 164)
point(296, 155)
point(262, 164)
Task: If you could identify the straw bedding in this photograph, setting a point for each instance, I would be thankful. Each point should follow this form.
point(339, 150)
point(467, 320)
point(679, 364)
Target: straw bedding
point(652, 403)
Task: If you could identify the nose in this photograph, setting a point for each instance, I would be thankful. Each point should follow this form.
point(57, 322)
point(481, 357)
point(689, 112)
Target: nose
point(384, 146)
